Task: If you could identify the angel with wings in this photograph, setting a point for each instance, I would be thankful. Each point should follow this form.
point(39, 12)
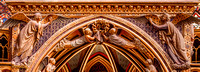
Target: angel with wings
point(117, 40)
point(150, 66)
point(28, 35)
point(86, 38)
point(170, 35)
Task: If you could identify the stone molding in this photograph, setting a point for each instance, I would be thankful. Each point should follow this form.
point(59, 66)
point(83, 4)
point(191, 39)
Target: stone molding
point(122, 9)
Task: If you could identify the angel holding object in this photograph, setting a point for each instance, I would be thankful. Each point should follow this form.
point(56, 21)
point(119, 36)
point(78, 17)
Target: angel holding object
point(99, 27)
point(28, 36)
point(114, 39)
point(87, 37)
point(96, 28)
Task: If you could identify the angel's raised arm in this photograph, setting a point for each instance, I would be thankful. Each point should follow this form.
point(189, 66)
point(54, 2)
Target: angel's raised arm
point(48, 19)
point(83, 29)
point(44, 25)
point(163, 26)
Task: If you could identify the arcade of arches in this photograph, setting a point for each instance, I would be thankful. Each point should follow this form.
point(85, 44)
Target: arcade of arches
point(100, 37)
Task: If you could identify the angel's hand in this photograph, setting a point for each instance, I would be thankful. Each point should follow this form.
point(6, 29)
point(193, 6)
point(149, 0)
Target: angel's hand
point(50, 19)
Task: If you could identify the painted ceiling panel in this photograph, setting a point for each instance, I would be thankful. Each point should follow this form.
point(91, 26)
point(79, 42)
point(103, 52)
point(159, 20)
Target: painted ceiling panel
point(123, 62)
point(73, 63)
point(98, 48)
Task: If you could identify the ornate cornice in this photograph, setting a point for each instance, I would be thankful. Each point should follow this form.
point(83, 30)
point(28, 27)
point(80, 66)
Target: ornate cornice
point(122, 9)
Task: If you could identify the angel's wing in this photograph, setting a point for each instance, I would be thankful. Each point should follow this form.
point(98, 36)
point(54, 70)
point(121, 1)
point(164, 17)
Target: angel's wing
point(46, 19)
point(54, 18)
point(181, 16)
point(15, 19)
point(154, 18)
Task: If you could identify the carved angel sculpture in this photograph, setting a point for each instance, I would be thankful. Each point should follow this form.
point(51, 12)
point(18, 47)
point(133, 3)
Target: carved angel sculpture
point(29, 34)
point(114, 39)
point(80, 41)
point(50, 66)
point(84, 39)
point(174, 39)
point(150, 66)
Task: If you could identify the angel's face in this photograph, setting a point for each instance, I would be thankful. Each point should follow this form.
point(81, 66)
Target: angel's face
point(112, 31)
point(149, 61)
point(38, 16)
point(164, 17)
point(88, 32)
point(53, 61)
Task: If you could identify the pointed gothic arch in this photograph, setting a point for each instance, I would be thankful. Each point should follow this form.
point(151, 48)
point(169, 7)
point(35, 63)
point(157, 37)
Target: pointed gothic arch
point(151, 45)
point(100, 59)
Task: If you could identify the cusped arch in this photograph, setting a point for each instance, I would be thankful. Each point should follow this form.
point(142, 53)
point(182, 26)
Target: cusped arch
point(151, 44)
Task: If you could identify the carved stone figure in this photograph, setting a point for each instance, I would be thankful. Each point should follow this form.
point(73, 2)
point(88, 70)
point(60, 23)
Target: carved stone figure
point(50, 66)
point(87, 37)
point(114, 39)
point(28, 35)
point(174, 39)
point(80, 41)
point(150, 66)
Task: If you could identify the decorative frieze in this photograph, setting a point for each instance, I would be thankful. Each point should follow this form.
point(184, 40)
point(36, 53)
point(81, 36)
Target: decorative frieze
point(118, 9)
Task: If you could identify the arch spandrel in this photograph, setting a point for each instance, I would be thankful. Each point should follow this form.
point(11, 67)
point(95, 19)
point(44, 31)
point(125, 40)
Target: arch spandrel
point(153, 47)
